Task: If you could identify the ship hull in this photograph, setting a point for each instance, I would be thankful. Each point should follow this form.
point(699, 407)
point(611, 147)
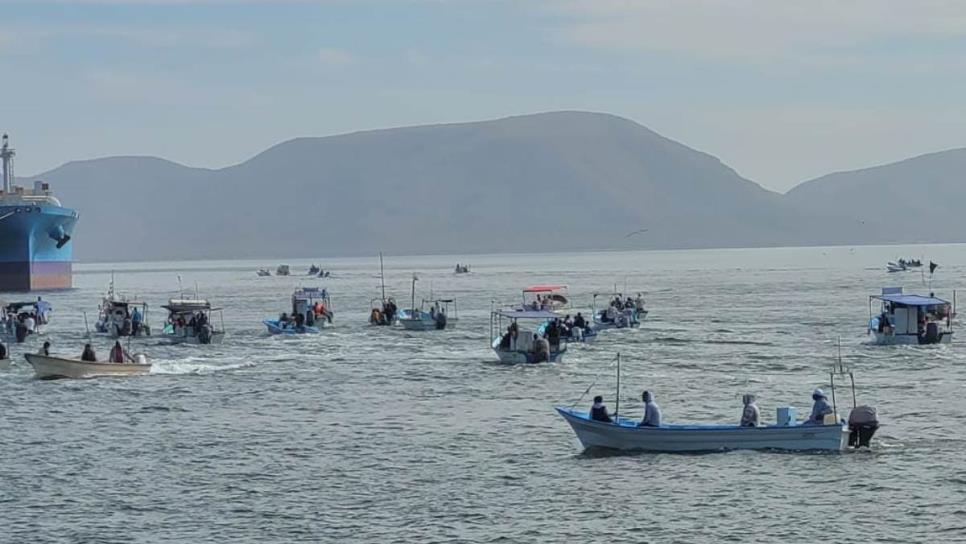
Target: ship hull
point(30, 258)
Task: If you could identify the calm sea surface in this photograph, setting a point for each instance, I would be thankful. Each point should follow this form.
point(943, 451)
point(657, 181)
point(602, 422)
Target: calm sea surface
point(379, 435)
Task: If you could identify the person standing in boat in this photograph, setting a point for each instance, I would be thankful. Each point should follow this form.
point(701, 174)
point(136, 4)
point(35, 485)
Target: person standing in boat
point(117, 353)
point(652, 412)
point(88, 354)
point(820, 408)
point(750, 416)
point(579, 321)
point(135, 322)
point(598, 412)
point(44, 350)
point(3, 351)
point(541, 349)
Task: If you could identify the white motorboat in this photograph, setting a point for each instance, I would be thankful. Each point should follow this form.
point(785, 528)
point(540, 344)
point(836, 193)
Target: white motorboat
point(517, 344)
point(50, 367)
point(910, 319)
point(119, 316)
point(439, 316)
point(190, 322)
point(311, 312)
point(619, 313)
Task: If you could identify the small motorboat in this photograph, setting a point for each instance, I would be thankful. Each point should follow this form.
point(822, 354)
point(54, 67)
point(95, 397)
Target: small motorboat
point(314, 270)
point(895, 267)
point(21, 316)
point(263, 272)
point(619, 313)
point(910, 319)
point(282, 270)
point(383, 311)
point(118, 316)
point(518, 344)
point(545, 297)
point(627, 436)
point(311, 312)
point(438, 317)
point(190, 322)
point(462, 269)
point(49, 367)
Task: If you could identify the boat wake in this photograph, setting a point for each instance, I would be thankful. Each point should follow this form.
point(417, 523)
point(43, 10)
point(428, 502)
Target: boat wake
point(183, 367)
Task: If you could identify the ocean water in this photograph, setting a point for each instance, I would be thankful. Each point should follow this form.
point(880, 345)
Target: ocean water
point(379, 435)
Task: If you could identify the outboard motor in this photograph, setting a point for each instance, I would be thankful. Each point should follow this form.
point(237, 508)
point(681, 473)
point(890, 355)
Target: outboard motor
point(863, 423)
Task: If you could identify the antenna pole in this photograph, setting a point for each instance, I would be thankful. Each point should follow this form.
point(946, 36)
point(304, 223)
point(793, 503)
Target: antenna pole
point(617, 399)
point(831, 378)
point(841, 369)
point(382, 277)
point(852, 377)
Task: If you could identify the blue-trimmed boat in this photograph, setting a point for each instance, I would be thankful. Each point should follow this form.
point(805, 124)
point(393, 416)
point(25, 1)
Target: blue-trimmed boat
point(911, 319)
point(517, 343)
point(627, 436)
point(311, 312)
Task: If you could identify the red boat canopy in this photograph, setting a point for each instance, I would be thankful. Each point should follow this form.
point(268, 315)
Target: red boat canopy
point(544, 288)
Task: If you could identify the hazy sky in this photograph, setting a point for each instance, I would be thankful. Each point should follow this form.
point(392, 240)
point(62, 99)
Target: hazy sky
point(781, 91)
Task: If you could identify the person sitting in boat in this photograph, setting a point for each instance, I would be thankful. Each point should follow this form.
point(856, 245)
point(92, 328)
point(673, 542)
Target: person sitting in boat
point(20, 331)
point(611, 314)
point(88, 354)
point(30, 323)
point(299, 321)
point(639, 303)
point(750, 416)
point(44, 350)
point(117, 353)
point(541, 349)
point(652, 412)
point(820, 408)
point(127, 326)
point(598, 412)
point(553, 334)
point(3, 351)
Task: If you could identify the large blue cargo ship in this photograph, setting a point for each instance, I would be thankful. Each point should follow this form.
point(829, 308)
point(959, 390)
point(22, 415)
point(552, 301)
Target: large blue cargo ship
point(35, 234)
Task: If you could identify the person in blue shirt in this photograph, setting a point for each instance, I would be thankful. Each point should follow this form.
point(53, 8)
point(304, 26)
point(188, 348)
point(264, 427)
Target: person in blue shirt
point(820, 408)
point(135, 322)
point(652, 412)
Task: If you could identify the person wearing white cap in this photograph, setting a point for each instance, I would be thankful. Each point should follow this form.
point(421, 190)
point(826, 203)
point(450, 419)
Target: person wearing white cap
point(819, 409)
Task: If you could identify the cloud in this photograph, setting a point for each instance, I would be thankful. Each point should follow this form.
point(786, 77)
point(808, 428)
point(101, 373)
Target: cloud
point(335, 57)
point(752, 30)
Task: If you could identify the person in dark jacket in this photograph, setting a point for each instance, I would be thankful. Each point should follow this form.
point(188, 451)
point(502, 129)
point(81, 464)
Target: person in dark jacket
point(88, 354)
point(598, 412)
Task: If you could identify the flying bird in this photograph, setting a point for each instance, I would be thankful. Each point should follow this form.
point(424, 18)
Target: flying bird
point(635, 232)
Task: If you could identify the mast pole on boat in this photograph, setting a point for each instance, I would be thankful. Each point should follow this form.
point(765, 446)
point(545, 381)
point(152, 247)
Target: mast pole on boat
point(617, 399)
point(382, 277)
point(852, 378)
point(415, 279)
point(831, 378)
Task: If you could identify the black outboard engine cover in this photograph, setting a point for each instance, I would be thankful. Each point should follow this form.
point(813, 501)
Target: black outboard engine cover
point(863, 423)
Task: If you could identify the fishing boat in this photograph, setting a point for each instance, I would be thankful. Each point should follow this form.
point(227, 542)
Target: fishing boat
point(910, 319)
point(625, 434)
point(21, 319)
point(619, 313)
point(263, 273)
point(311, 312)
point(190, 322)
point(518, 343)
point(892, 266)
point(314, 270)
point(50, 367)
point(462, 269)
point(383, 311)
point(118, 316)
point(438, 317)
point(282, 270)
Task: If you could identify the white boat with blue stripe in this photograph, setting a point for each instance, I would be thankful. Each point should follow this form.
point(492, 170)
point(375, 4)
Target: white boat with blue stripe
point(910, 319)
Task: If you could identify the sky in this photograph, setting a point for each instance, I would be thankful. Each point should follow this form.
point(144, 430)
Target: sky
point(781, 91)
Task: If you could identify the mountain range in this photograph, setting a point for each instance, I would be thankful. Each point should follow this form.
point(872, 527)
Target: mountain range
point(559, 181)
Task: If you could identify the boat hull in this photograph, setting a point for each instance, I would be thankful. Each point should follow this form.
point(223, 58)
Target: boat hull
point(703, 438)
point(46, 367)
point(217, 337)
point(274, 328)
point(425, 324)
point(885, 339)
point(29, 256)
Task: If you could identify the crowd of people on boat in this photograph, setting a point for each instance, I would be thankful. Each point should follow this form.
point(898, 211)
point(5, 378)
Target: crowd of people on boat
point(554, 331)
point(22, 320)
point(462, 268)
point(299, 319)
point(197, 325)
point(618, 308)
point(119, 320)
point(386, 315)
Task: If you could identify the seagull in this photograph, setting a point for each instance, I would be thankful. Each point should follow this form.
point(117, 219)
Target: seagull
point(635, 232)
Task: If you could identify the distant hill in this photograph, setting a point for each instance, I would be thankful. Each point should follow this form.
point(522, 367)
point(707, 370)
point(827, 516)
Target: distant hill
point(921, 199)
point(546, 182)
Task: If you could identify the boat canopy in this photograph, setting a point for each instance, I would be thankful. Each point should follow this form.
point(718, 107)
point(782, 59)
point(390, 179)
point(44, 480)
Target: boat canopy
point(544, 288)
point(911, 300)
point(311, 292)
point(184, 305)
point(526, 314)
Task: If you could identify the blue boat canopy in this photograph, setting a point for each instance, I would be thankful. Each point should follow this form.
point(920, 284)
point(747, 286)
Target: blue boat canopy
point(526, 314)
point(912, 300)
